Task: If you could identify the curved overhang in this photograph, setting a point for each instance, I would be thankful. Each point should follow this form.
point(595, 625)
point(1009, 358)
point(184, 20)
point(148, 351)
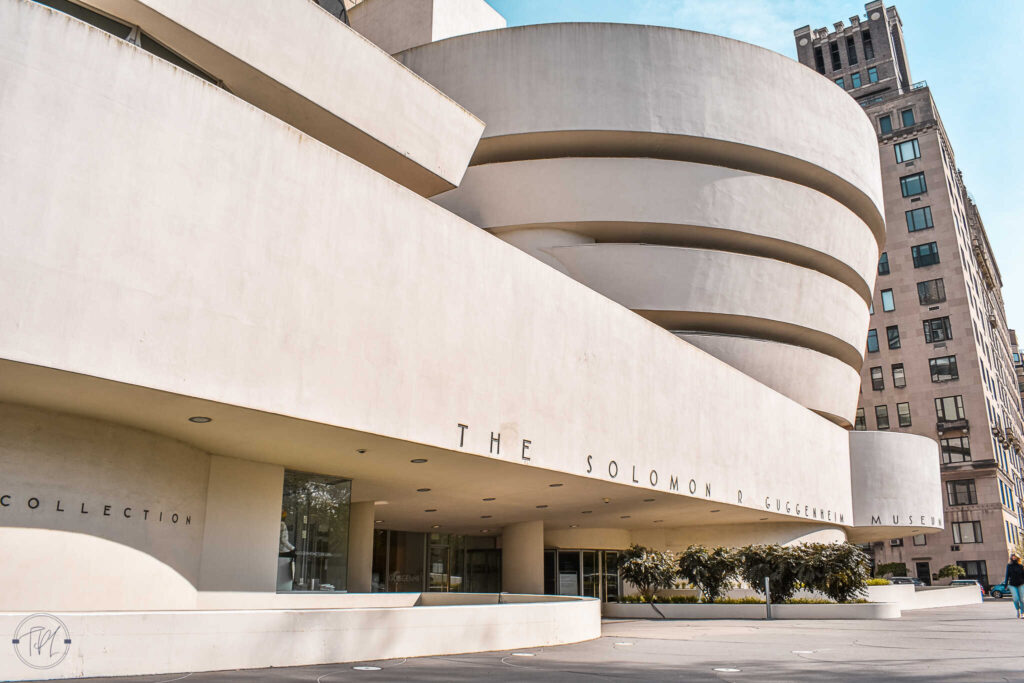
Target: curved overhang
point(295, 61)
point(897, 488)
point(716, 291)
point(672, 203)
point(824, 384)
point(566, 90)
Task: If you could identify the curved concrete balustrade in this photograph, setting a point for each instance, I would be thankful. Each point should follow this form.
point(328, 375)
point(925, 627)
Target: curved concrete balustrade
point(896, 484)
point(717, 291)
point(293, 60)
point(112, 643)
point(822, 383)
point(674, 203)
point(558, 90)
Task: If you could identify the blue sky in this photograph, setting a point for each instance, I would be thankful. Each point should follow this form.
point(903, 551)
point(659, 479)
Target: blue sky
point(969, 51)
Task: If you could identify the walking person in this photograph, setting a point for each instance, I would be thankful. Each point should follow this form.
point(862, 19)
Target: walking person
point(1015, 583)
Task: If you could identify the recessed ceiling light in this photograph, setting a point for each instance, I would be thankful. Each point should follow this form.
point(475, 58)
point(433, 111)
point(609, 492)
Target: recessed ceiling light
point(436, 526)
point(624, 517)
point(418, 460)
point(431, 510)
point(422, 490)
point(485, 516)
point(200, 419)
point(379, 521)
point(554, 486)
point(541, 507)
point(360, 451)
point(485, 531)
point(648, 500)
point(380, 502)
point(487, 500)
point(574, 526)
point(587, 512)
point(716, 510)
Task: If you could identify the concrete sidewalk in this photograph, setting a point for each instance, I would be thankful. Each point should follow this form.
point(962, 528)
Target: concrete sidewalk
point(978, 643)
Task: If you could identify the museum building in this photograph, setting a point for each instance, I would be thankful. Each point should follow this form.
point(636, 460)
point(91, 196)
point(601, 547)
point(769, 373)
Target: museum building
point(311, 309)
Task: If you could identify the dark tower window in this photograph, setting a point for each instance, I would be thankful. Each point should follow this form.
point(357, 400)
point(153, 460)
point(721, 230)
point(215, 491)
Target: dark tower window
point(869, 48)
point(851, 51)
point(819, 60)
point(833, 50)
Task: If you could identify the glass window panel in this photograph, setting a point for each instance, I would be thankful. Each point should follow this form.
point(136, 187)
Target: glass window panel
point(855, 79)
point(955, 450)
point(937, 330)
point(406, 562)
point(913, 184)
point(883, 264)
point(314, 532)
point(888, 304)
point(943, 369)
point(925, 254)
point(885, 124)
point(872, 340)
point(908, 117)
point(903, 414)
point(882, 417)
point(851, 53)
point(899, 380)
point(859, 423)
point(907, 151)
point(841, 83)
point(877, 381)
point(919, 219)
point(568, 572)
point(949, 408)
point(893, 334)
point(931, 292)
point(869, 48)
point(873, 75)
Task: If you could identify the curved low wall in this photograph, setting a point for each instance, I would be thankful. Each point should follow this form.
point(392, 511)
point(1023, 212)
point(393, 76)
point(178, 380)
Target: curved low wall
point(882, 464)
point(136, 643)
point(614, 610)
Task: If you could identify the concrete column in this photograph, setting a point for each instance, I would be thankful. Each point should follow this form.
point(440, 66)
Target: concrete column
point(522, 558)
point(360, 547)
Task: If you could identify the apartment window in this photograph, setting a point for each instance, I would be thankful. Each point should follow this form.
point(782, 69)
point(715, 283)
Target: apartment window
point(859, 423)
point(855, 79)
point(872, 340)
point(899, 380)
point(888, 303)
point(925, 254)
point(819, 60)
point(882, 417)
point(961, 492)
point(851, 52)
point(908, 117)
point(966, 532)
point(949, 408)
point(841, 83)
point(956, 450)
point(975, 569)
point(920, 539)
point(895, 542)
point(873, 75)
point(907, 151)
point(883, 264)
point(893, 334)
point(931, 292)
point(943, 369)
point(885, 124)
point(919, 219)
point(869, 48)
point(833, 51)
point(937, 330)
point(911, 185)
point(877, 380)
point(903, 414)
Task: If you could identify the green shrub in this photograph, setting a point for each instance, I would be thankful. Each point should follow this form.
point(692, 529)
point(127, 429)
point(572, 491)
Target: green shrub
point(879, 582)
point(711, 571)
point(952, 571)
point(838, 570)
point(648, 570)
point(780, 565)
point(891, 569)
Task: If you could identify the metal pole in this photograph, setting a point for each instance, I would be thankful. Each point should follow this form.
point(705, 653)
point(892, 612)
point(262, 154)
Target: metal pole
point(767, 598)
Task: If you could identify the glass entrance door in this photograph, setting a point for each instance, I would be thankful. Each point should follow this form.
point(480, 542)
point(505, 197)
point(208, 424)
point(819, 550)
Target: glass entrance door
point(439, 568)
point(591, 573)
point(313, 548)
point(924, 572)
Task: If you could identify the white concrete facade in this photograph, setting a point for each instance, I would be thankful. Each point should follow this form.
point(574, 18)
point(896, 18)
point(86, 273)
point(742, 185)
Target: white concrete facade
point(174, 249)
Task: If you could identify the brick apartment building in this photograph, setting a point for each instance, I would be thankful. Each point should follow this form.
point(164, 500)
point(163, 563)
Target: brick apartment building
point(940, 358)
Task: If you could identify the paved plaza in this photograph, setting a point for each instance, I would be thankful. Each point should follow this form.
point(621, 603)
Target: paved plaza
point(976, 643)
